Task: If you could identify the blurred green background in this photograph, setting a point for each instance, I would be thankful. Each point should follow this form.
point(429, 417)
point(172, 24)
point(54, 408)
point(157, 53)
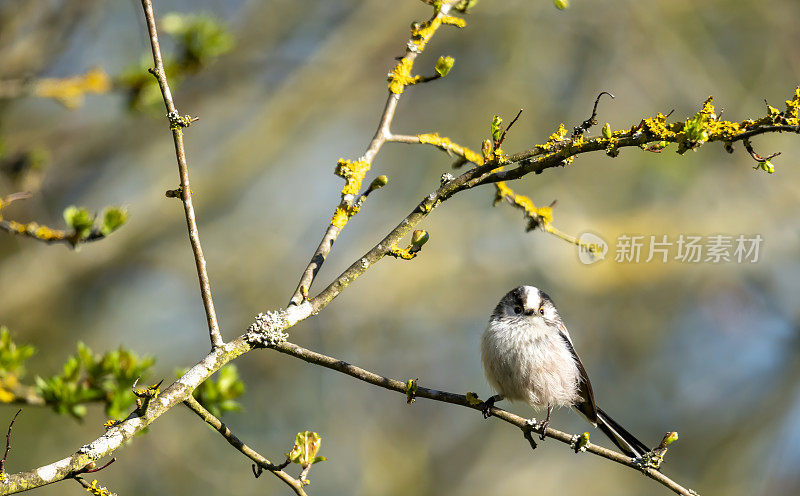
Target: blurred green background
point(709, 350)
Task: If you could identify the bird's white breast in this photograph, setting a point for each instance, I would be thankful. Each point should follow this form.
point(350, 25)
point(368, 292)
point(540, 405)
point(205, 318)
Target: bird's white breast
point(528, 360)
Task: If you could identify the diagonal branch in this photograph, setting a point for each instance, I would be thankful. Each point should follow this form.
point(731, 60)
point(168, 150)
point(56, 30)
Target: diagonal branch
point(345, 208)
point(462, 400)
point(177, 123)
point(246, 450)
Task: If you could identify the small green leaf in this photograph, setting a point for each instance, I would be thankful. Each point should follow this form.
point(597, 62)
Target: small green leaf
point(444, 64)
point(766, 166)
point(113, 218)
point(79, 219)
point(306, 446)
point(497, 130)
point(669, 438)
point(607, 131)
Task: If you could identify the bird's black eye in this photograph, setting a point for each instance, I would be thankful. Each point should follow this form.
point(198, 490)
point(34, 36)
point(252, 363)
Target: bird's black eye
point(518, 309)
point(541, 311)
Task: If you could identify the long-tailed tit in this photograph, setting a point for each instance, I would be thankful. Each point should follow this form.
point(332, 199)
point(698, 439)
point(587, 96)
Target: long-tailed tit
point(528, 356)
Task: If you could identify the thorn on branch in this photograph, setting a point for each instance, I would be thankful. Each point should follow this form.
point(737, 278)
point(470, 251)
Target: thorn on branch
point(8, 445)
point(503, 136)
point(592, 120)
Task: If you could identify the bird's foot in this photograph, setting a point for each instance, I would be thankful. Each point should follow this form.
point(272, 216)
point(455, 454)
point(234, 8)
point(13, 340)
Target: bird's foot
point(486, 409)
point(544, 423)
point(542, 427)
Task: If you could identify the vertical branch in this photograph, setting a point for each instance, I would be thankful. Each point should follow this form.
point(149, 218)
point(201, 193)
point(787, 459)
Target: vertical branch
point(177, 123)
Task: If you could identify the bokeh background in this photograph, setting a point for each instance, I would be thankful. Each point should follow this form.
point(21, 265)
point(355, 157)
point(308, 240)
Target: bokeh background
point(709, 350)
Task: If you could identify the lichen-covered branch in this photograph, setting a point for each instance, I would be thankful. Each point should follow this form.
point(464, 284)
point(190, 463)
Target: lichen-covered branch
point(120, 433)
point(535, 217)
point(246, 450)
point(354, 172)
point(463, 400)
point(46, 234)
point(84, 227)
point(703, 127)
point(177, 123)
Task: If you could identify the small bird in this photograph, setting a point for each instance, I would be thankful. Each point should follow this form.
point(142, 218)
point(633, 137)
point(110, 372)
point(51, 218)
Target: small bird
point(528, 356)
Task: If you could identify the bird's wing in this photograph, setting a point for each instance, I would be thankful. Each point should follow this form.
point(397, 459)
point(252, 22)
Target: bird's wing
point(587, 407)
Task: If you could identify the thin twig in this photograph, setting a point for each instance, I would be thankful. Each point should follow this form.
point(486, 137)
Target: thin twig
point(8, 442)
point(503, 136)
point(247, 451)
point(176, 125)
point(88, 486)
point(459, 399)
point(97, 469)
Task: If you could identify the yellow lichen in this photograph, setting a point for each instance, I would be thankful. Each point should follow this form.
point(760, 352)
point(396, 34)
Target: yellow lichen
point(97, 489)
point(657, 127)
point(353, 174)
point(447, 145)
point(454, 21)
point(539, 215)
point(6, 396)
point(400, 77)
point(422, 32)
point(70, 91)
point(472, 399)
point(404, 253)
point(708, 108)
point(793, 105)
point(558, 135)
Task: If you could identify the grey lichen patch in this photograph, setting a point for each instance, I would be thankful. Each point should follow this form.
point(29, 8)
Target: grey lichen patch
point(267, 330)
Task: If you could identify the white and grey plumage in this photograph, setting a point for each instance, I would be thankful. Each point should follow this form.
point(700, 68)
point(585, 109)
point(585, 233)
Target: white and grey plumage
point(528, 356)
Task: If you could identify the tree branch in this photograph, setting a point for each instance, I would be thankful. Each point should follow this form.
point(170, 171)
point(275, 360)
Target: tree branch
point(177, 123)
point(247, 451)
point(119, 435)
point(458, 399)
point(345, 208)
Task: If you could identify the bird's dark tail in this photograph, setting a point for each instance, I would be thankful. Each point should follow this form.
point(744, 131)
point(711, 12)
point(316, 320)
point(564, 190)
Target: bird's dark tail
point(624, 440)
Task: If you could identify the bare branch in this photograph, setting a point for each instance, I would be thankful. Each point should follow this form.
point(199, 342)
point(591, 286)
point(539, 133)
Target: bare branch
point(260, 461)
point(8, 442)
point(458, 399)
point(177, 123)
